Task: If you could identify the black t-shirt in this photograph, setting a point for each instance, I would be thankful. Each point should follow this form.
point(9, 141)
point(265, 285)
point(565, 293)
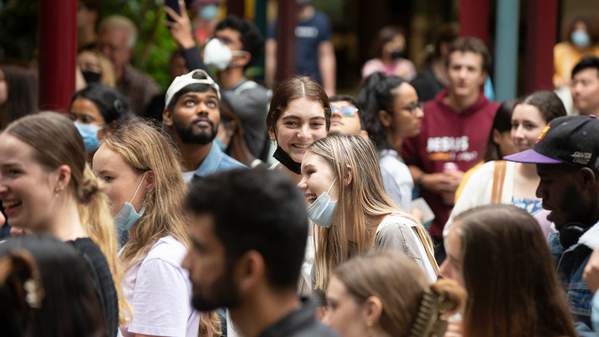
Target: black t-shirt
point(102, 279)
point(427, 85)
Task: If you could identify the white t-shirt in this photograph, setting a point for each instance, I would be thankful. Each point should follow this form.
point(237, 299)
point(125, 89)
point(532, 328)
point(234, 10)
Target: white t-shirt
point(159, 292)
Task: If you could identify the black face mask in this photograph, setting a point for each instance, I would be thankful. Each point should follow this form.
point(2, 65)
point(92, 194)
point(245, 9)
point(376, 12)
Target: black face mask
point(398, 54)
point(91, 76)
point(286, 160)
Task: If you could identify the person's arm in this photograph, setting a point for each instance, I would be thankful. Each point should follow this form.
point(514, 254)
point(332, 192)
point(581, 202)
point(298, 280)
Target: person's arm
point(270, 62)
point(327, 66)
point(476, 192)
point(181, 32)
point(591, 272)
point(444, 184)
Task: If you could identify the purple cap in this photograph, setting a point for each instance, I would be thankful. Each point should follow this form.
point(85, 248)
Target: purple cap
point(532, 157)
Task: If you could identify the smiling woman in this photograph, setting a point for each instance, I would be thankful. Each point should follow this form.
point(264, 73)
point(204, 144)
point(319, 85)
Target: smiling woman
point(47, 187)
point(508, 182)
point(343, 186)
point(299, 115)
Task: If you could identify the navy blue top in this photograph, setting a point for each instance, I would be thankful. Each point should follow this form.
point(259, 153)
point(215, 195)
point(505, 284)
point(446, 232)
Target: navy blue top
point(309, 34)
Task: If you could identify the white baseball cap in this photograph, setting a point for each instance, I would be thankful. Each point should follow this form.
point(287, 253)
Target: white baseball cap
point(195, 76)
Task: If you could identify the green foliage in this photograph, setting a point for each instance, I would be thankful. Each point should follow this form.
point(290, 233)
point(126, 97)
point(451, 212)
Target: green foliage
point(19, 33)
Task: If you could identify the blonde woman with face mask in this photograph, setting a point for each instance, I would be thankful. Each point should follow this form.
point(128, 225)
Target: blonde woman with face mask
point(346, 200)
point(144, 184)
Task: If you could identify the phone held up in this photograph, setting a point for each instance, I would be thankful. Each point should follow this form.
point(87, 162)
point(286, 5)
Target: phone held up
point(174, 5)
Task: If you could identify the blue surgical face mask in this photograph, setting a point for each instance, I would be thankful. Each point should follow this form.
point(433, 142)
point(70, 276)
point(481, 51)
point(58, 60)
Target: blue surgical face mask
point(127, 216)
point(580, 39)
point(321, 211)
point(89, 133)
point(208, 12)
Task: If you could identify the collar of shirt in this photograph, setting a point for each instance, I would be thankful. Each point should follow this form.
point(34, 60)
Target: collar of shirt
point(212, 161)
point(591, 237)
point(296, 320)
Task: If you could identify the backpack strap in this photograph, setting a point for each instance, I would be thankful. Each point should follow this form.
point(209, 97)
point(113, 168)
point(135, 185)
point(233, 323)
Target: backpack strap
point(498, 178)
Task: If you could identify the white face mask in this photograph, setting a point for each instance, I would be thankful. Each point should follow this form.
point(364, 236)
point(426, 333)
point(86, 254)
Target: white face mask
point(217, 54)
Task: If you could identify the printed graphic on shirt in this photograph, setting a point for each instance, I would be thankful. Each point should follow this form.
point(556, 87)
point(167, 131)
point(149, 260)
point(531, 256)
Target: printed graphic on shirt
point(306, 32)
point(450, 149)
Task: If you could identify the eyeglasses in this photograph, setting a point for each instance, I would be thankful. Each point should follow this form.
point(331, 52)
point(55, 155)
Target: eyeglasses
point(345, 111)
point(412, 107)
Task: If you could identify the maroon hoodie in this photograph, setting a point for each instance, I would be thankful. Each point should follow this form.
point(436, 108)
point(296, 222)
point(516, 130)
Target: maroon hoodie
point(449, 136)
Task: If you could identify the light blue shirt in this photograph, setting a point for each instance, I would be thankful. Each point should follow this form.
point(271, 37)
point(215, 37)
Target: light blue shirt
point(397, 179)
point(216, 161)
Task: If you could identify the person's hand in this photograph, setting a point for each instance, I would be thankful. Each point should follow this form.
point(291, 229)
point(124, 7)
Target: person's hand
point(440, 182)
point(17, 231)
point(444, 184)
point(591, 272)
point(454, 329)
point(180, 27)
point(417, 214)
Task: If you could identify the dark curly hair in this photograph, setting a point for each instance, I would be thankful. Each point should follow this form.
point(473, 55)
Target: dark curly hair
point(376, 95)
point(251, 38)
point(112, 105)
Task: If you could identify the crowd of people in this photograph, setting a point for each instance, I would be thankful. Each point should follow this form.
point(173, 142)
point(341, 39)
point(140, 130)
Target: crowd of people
point(220, 207)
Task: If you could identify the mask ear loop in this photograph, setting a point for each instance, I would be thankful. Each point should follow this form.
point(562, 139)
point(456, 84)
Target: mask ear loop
point(137, 188)
point(332, 184)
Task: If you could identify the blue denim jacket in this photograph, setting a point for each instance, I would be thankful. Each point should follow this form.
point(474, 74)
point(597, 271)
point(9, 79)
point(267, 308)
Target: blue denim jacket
point(216, 161)
point(570, 267)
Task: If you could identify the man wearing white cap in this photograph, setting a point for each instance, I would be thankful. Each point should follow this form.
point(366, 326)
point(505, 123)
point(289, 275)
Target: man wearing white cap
point(192, 116)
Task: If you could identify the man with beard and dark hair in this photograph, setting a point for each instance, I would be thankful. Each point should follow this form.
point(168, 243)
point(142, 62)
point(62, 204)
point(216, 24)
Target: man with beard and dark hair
point(567, 159)
point(192, 116)
point(248, 232)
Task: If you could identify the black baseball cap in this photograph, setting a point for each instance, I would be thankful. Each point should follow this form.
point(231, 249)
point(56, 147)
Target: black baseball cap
point(565, 140)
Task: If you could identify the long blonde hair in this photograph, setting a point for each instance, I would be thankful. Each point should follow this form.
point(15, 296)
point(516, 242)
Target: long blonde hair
point(57, 142)
point(146, 149)
point(363, 197)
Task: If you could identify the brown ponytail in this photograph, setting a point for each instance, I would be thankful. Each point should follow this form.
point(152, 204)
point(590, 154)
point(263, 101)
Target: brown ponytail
point(411, 306)
point(439, 301)
point(57, 142)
